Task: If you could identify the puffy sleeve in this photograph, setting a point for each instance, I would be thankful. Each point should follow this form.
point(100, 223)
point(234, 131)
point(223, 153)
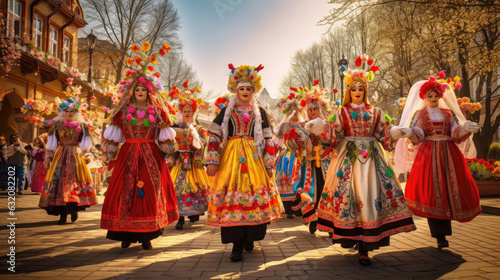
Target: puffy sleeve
point(113, 136)
point(458, 133)
point(166, 132)
point(199, 154)
point(86, 142)
point(416, 127)
point(215, 139)
point(270, 151)
point(52, 141)
point(382, 130)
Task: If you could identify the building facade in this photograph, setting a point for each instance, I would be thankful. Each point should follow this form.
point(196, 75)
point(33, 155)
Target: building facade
point(47, 37)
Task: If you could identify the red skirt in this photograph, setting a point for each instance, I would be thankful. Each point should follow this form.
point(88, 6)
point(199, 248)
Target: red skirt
point(440, 184)
point(38, 176)
point(139, 164)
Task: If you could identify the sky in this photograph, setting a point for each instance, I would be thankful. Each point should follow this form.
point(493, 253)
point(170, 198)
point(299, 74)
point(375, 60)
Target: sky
point(268, 32)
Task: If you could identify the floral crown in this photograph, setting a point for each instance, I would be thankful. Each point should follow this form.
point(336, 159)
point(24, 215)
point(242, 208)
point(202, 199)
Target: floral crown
point(314, 94)
point(141, 68)
point(36, 109)
point(220, 103)
point(360, 75)
point(244, 73)
point(186, 96)
point(292, 101)
point(439, 86)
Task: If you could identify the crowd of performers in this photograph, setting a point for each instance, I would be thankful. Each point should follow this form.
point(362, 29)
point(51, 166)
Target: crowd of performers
point(329, 166)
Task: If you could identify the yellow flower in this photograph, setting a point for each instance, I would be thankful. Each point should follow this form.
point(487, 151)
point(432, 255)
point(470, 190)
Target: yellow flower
point(145, 46)
point(456, 79)
point(130, 61)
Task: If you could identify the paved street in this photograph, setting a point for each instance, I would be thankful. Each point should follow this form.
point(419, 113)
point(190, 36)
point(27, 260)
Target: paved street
point(81, 251)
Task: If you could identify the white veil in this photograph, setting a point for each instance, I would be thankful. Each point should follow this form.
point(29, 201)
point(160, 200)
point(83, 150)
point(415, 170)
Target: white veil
point(404, 155)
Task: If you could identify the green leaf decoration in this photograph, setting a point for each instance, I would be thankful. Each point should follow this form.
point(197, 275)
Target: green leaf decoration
point(332, 118)
point(146, 123)
point(132, 121)
point(388, 118)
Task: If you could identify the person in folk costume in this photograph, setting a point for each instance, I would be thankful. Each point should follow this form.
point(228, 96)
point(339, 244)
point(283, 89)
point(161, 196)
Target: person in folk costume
point(287, 163)
point(140, 200)
point(240, 158)
point(362, 203)
point(188, 174)
point(39, 171)
point(440, 186)
point(68, 186)
point(316, 158)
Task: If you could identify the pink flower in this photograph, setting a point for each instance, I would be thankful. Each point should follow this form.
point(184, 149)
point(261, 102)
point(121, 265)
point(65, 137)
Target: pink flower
point(458, 86)
point(151, 118)
point(69, 80)
point(141, 114)
point(79, 129)
point(441, 74)
point(129, 117)
point(106, 109)
point(246, 117)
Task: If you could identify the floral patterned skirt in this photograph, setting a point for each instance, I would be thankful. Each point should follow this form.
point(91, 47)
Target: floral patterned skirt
point(191, 188)
point(68, 180)
point(242, 195)
point(362, 199)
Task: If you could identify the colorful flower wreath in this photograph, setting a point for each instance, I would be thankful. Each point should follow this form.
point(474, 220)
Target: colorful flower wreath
point(292, 101)
point(244, 73)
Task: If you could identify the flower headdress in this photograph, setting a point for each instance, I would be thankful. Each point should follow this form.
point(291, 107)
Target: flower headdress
point(242, 74)
point(36, 109)
point(360, 75)
point(315, 95)
point(220, 103)
point(292, 101)
point(186, 97)
point(142, 72)
point(439, 86)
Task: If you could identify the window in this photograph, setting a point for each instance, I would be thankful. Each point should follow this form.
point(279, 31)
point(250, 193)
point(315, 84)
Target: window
point(14, 18)
point(53, 41)
point(38, 31)
point(66, 49)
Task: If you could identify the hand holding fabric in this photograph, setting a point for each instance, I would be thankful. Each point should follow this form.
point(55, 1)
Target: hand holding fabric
point(316, 126)
point(471, 127)
point(398, 132)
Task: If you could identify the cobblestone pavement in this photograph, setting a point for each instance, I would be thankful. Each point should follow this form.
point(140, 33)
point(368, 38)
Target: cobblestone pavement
point(81, 251)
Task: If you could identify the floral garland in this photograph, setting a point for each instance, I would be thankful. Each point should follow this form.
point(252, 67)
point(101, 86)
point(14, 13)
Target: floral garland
point(141, 114)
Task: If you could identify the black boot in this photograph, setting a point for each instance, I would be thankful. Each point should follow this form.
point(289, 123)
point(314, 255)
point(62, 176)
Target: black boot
point(125, 244)
point(180, 223)
point(249, 246)
point(74, 217)
point(442, 242)
point(63, 215)
point(237, 253)
point(194, 218)
point(312, 226)
point(363, 257)
point(147, 245)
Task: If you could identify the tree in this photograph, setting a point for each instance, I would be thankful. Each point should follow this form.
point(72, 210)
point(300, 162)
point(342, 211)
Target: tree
point(126, 22)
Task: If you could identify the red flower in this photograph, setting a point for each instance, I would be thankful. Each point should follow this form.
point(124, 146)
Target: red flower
point(389, 193)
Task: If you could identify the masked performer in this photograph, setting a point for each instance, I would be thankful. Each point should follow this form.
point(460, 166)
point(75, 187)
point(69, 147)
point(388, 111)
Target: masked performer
point(140, 200)
point(440, 186)
point(188, 174)
point(68, 186)
point(362, 203)
point(240, 158)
